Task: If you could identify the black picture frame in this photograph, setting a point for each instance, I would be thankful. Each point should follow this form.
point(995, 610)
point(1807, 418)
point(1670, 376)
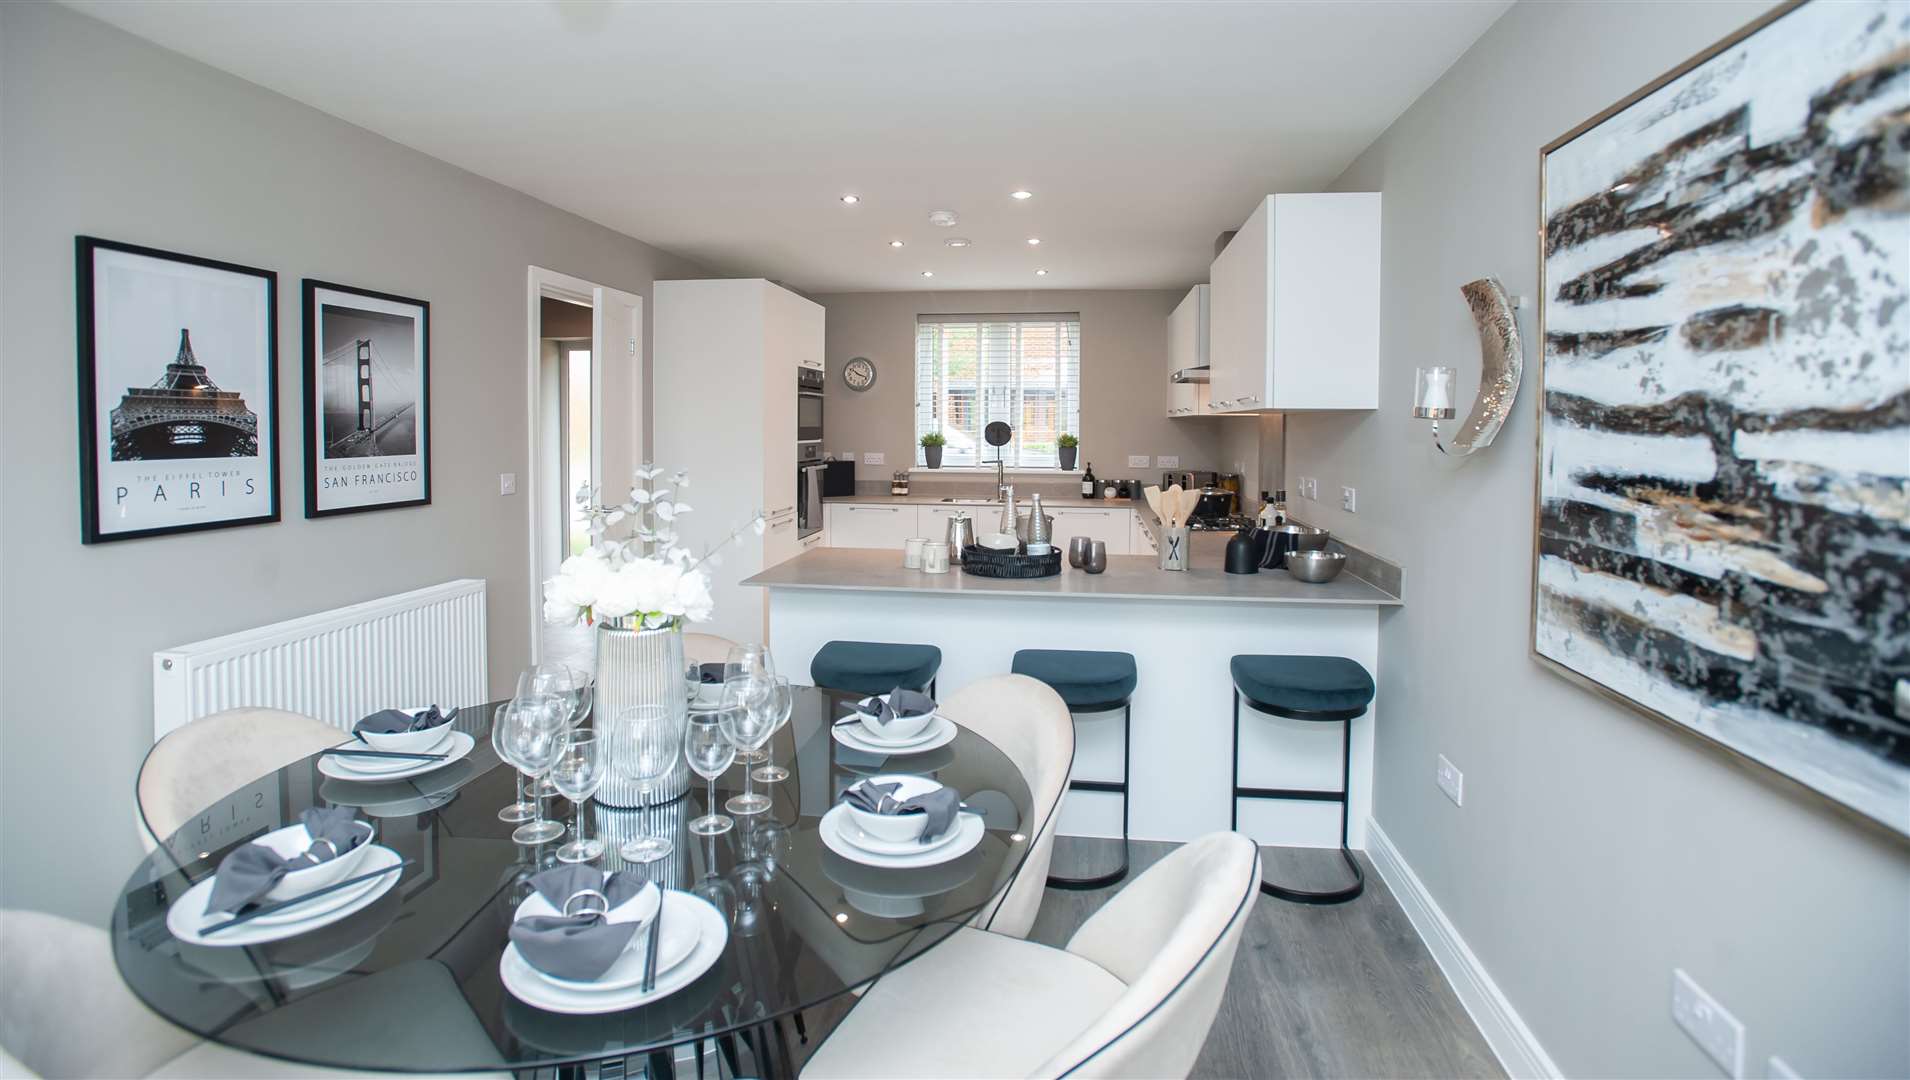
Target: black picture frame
point(87, 249)
point(313, 426)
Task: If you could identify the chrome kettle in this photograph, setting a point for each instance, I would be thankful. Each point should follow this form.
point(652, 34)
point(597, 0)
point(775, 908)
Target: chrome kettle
point(961, 533)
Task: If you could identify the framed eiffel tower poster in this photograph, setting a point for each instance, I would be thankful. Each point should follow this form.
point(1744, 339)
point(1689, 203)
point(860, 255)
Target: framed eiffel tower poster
point(178, 401)
point(367, 400)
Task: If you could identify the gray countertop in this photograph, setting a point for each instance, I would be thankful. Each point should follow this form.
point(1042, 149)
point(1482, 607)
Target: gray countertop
point(1128, 577)
point(971, 502)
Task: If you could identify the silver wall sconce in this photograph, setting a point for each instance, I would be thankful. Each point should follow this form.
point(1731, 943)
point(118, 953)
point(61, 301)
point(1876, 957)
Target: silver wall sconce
point(1501, 363)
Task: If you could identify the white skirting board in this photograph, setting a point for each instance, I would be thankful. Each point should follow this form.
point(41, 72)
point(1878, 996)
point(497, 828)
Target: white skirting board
point(1517, 1047)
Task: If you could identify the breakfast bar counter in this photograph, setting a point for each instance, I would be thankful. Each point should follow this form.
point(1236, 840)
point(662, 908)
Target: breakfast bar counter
point(1182, 628)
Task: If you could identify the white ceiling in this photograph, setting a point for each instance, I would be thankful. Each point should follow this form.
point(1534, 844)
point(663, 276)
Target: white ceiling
point(726, 132)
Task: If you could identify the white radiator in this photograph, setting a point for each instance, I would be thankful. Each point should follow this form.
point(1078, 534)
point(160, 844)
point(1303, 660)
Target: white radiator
point(418, 648)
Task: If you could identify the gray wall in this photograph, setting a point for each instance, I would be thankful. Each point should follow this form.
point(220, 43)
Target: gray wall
point(1597, 849)
point(109, 136)
point(1123, 375)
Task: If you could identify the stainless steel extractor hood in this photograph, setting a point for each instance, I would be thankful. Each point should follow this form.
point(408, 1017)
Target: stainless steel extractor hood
point(1190, 375)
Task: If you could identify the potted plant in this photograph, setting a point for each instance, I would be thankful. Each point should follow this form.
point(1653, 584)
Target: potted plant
point(932, 444)
point(1069, 447)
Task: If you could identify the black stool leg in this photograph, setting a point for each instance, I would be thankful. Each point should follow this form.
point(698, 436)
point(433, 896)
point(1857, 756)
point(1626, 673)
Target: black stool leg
point(1304, 896)
point(1102, 881)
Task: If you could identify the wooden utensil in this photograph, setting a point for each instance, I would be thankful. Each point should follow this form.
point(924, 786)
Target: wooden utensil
point(1171, 502)
point(1152, 493)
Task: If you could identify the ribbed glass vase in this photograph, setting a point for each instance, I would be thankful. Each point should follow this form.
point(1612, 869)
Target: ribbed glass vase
point(640, 667)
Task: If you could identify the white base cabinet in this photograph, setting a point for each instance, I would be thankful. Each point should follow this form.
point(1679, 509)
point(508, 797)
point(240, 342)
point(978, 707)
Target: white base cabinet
point(871, 525)
point(892, 525)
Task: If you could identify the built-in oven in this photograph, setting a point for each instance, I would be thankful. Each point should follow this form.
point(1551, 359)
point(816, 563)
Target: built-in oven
point(809, 407)
point(809, 470)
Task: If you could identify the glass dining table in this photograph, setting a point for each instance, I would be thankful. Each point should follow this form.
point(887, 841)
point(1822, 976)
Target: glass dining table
point(412, 982)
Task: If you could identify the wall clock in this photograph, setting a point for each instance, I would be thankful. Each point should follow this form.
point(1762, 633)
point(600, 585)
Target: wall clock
point(858, 374)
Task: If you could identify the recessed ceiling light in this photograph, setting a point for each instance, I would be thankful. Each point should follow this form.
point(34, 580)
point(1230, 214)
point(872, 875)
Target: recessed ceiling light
point(852, 199)
point(1041, 273)
point(1021, 194)
point(1033, 240)
point(895, 243)
point(957, 241)
point(928, 273)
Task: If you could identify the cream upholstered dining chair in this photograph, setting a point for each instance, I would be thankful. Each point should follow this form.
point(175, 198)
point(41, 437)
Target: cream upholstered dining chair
point(197, 765)
point(706, 648)
point(1133, 994)
point(1029, 723)
point(65, 1012)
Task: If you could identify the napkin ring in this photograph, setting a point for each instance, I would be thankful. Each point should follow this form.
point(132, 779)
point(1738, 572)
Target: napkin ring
point(585, 894)
point(327, 843)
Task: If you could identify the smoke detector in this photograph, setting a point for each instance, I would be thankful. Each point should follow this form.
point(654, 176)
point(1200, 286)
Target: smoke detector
point(944, 219)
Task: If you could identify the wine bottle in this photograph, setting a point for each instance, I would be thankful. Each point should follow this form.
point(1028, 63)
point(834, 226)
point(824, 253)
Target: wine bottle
point(1087, 482)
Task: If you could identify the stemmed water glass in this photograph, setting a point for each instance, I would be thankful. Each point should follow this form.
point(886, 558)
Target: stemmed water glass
point(569, 685)
point(749, 661)
point(647, 741)
point(535, 733)
point(578, 773)
point(710, 753)
point(523, 809)
point(748, 722)
point(780, 701)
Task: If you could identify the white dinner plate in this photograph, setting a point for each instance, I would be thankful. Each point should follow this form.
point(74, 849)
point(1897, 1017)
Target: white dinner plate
point(187, 917)
point(365, 763)
point(834, 826)
point(851, 833)
point(455, 748)
point(675, 942)
point(536, 989)
point(939, 734)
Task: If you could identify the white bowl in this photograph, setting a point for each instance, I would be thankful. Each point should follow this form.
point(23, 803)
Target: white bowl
point(895, 828)
point(901, 729)
point(291, 842)
point(408, 742)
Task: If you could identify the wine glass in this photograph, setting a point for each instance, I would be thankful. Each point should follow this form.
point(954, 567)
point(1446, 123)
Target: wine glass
point(749, 661)
point(647, 741)
point(710, 754)
point(523, 809)
point(780, 701)
point(578, 773)
point(747, 722)
point(536, 733)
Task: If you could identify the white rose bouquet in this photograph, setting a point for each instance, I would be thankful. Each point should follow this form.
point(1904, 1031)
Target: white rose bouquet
point(647, 580)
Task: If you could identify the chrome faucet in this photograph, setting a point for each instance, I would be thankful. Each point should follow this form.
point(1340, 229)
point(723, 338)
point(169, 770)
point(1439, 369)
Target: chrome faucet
point(1001, 479)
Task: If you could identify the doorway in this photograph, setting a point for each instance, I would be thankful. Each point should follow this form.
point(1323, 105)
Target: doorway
point(586, 429)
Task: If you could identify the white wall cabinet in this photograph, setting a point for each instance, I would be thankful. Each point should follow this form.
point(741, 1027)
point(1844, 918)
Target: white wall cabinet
point(1294, 307)
point(731, 344)
point(1188, 346)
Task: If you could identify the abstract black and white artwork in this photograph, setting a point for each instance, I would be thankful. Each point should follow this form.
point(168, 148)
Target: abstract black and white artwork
point(1724, 446)
point(178, 414)
point(367, 400)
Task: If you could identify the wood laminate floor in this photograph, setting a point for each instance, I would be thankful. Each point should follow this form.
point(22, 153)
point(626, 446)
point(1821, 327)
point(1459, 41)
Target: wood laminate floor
point(1341, 991)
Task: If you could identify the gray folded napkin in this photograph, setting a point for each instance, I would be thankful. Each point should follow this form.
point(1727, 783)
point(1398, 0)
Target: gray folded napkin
point(710, 674)
point(579, 947)
point(901, 705)
point(250, 872)
point(394, 721)
point(941, 805)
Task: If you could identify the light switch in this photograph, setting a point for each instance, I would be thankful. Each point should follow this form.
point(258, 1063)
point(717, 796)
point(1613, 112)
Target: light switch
point(507, 483)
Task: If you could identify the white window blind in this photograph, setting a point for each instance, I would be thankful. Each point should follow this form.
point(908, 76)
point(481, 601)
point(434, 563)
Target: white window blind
point(1024, 370)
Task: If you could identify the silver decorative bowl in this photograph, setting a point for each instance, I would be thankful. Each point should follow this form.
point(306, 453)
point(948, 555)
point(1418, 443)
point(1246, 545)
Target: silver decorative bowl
point(1316, 567)
point(1297, 537)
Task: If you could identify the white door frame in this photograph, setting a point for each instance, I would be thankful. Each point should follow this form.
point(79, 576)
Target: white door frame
point(541, 283)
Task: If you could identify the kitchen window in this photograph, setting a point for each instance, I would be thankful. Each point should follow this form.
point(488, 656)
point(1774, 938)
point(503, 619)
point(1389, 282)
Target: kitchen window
point(1024, 370)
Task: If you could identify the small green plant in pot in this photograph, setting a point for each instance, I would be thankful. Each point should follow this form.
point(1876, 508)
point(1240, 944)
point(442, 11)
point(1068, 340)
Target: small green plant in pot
point(932, 444)
point(1070, 446)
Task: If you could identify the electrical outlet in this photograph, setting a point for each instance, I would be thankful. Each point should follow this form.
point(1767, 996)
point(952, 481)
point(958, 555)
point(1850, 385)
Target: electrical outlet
point(1138, 461)
point(507, 483)
point(875, 459)
point(1719, 1034)
point(1349, 500)
point(1168, 461)
point(1451, 781)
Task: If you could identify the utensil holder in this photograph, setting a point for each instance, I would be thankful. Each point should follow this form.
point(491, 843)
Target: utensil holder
point(1173, 554)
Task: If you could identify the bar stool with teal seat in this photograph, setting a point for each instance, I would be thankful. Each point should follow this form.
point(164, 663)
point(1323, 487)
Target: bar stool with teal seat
point(875, 667)
point(1325, 689)
point(1090, 682)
